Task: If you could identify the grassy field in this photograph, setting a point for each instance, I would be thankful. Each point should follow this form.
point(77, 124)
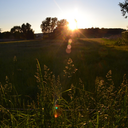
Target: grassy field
point(60, 89)
point(92, 58)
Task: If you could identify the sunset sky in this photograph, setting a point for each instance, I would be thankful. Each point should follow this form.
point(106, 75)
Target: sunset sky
point(88, 13)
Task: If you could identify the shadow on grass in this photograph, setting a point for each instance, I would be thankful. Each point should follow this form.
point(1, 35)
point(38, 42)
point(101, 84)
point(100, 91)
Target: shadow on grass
point(90, 56)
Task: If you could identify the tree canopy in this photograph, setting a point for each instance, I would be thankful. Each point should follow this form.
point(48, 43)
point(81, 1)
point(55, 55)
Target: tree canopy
point(49, 24)
point(61, 30)
point(23, 32)
point(62, 23)
point(124, 7)
point(16, 31)
point(28, 33)
point(54, 28)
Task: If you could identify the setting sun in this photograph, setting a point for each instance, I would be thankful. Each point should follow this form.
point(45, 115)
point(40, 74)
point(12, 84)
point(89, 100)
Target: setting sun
point(72, 24)
point(72, 18)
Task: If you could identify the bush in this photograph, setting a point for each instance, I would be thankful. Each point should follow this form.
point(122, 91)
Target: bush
point(125, 36)
point(120, 42)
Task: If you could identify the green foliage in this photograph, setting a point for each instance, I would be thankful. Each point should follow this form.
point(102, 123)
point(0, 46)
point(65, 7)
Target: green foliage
point(124, 8)
point(120, 42)
point(125, 37)
point(106, 106)
point(123, 40)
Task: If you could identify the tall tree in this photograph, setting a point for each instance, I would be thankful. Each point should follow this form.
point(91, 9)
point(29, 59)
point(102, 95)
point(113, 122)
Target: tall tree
point(28, 33)
point(16, 31)
point(48, 25)
point(124, 7)
point(62, 23)
point(23, 32)
point(61, 30)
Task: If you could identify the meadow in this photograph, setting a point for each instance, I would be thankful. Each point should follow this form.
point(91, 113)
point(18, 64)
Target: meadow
point(92, 58)
point(39, 68)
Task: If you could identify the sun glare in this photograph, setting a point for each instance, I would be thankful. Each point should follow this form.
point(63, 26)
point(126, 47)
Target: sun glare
point(72, 24)
point(72, 19)
point(78, 19)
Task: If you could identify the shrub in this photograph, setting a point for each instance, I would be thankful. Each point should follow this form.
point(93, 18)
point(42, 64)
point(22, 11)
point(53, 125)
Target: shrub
point(120, 42)
point(125, 36)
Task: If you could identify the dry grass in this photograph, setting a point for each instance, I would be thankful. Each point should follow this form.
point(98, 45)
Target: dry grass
point(106, 107)
point(64, 100)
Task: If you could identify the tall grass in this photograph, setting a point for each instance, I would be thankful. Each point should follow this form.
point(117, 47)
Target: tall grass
point(56, 107)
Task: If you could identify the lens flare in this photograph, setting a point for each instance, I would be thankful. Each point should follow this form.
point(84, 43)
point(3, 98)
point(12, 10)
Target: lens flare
point(56, 106)
point(68, 51)
point(55, 115)
point(69, 47)
point(57, 111)
point(70, 41)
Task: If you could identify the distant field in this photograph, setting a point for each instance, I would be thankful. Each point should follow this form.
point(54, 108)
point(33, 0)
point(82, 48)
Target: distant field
point(92, 58)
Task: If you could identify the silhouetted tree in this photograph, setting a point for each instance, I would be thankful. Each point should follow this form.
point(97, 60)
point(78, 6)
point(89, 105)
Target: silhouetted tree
point(16, 31)
point(48, 25)
point(61, 30)
point(28, 33)
point(98, 33)
point(124, 8)
point(6, 35)
point(23, 32)
point(62, 23)
point(0, 34)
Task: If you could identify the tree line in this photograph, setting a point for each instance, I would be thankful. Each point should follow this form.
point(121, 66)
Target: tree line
point(54, 28)
point(99, 33)
point(57, 29)
point(19, 32)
